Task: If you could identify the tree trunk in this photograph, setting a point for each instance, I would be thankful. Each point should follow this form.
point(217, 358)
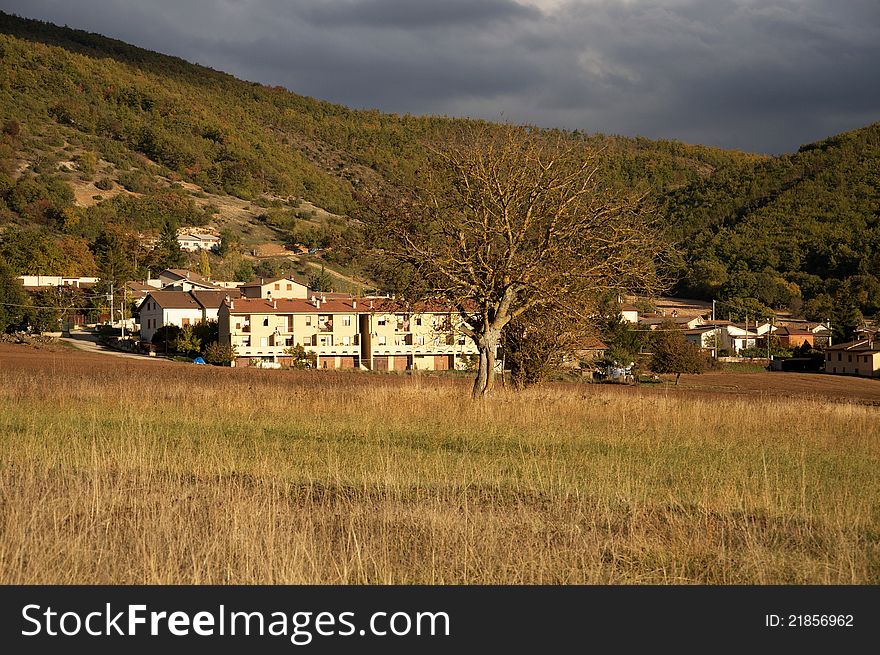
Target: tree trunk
point(677, 377)
point(487, 344)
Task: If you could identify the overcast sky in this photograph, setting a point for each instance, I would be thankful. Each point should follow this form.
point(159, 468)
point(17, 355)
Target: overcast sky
point(759, 75)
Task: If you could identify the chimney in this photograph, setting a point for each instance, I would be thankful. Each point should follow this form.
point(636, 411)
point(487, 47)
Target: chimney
point(371, 304)
point(274, 304)
point(318, 304)
point(323, 298)
point(231, 304)
point(187, 275)
point(354, 304)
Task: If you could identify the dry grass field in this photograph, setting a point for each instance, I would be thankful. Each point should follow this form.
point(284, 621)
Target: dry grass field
point(121, 471)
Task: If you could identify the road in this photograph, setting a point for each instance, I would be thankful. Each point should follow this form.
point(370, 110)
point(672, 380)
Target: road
point(88, 342)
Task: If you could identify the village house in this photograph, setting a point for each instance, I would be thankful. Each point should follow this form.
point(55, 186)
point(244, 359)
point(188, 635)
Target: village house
point(37, 282)
point(180, 279)
point(719, 335)
point(195, 241)
point(707, 337)
point(653, 321)
point(794, 337)
point(740, 336)
point(137, 291)
point(860, 357)
point(179, 308)
point(280, 287)
point(629, 313)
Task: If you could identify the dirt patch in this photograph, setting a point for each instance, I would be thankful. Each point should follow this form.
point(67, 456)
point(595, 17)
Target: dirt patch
point(810, 385)
point(763, 385)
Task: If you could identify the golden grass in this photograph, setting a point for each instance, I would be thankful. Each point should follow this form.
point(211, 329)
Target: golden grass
point(149, 473)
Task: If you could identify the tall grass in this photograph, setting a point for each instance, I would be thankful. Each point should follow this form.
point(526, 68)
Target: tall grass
point(151, 473)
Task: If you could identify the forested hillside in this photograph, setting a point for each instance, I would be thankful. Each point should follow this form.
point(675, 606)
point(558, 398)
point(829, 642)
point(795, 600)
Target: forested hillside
point(142, 128)
point(799, 230)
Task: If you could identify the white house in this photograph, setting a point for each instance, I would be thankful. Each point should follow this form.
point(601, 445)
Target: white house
point(46, 281)
point(629, 313)
point(194, 241)
point(178, 308)
point(180, 279)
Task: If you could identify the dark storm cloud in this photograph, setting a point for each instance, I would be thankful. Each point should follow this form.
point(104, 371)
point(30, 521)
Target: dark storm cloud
point(758, 75)
point(406, 14)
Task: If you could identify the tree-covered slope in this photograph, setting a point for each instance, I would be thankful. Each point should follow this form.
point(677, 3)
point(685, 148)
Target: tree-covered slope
point(800, 230)
point(240, 137)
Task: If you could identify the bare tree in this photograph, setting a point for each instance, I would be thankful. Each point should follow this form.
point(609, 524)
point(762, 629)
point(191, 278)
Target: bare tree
point(508, 220)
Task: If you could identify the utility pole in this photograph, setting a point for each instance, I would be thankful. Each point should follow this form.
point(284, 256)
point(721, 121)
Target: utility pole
point(713, 310)
point(111, 304)
point(122, 311)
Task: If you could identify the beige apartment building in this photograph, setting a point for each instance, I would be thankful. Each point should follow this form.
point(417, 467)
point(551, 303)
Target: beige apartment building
point(343, 333)
point(262, 329)
point(425, 338)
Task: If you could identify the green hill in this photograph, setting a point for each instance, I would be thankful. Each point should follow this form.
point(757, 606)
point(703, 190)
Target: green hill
point(800, 230)
point(98, 132)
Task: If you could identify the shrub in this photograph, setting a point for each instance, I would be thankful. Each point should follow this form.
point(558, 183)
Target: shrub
point(105, 184)
point(219, 355)
point(301, 357)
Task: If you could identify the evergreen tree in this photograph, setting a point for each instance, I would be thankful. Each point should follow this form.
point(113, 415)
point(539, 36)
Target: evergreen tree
point(167, 251)
point(204, 264)
point(12, 298)
point(321, 281)
point(113, 257)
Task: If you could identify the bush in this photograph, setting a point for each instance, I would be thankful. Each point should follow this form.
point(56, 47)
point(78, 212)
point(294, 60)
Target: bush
point(86, 163)
point(301, 357)
point(105, 184)
point(137, 181)
point(219, 355)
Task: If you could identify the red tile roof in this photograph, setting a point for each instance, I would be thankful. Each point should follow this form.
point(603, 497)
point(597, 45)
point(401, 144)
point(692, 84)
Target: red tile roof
point(332, 305)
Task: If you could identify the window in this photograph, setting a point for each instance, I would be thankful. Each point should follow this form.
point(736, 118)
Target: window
point(266, 322)
point(346, 321)
point(238, 326)
point(277, 287)
point(381, 321)
point(839, 357)
point(381, 341)
point(184, 322)
point(308, 321)
point(346, 341)
point(290, 287)
point(849, 357)
point(324, 364)
point(421, 340)
point(418, 320)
